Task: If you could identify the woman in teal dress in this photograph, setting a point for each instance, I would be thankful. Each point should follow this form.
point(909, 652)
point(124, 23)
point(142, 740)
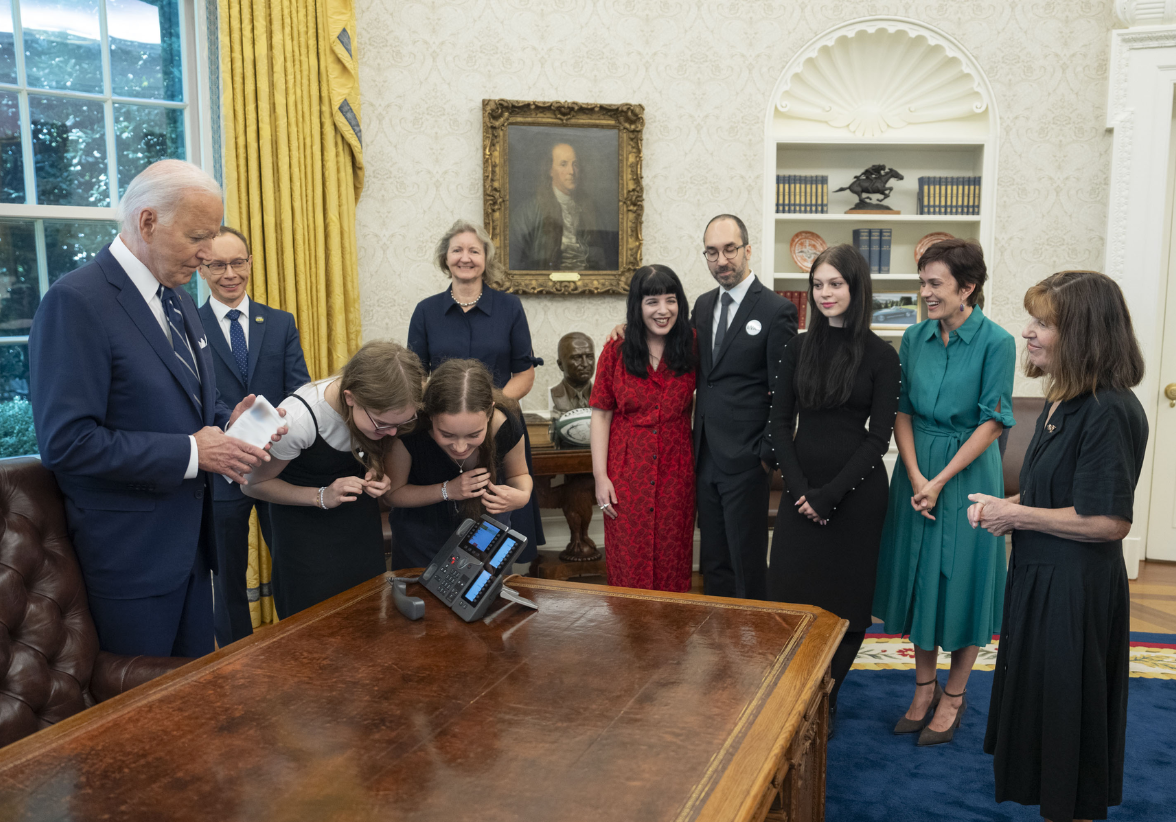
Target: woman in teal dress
point(939, 580)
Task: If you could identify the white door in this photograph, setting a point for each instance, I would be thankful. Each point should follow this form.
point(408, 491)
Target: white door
point(1161, 525)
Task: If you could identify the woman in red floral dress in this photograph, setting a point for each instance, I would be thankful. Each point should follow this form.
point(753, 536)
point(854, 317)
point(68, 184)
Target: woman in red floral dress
point(642, 451)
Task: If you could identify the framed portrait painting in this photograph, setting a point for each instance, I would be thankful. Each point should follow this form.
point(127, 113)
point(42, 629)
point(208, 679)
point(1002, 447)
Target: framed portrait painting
point(563, 199)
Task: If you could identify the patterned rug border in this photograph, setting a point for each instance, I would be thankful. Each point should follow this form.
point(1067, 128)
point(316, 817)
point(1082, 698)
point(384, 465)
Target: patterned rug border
point(888, 652)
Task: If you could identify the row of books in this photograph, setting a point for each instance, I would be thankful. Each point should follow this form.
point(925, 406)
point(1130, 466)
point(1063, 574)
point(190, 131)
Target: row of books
point(948, 195)
point(874, 245)
point(800, 300)
point(802, 194)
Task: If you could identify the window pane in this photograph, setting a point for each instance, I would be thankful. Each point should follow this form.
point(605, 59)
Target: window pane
point(17, 438)
point(20, 291)
point(7, 44)
point(62, 44)
point(145, 58)
point(14, 373)
point(71, 244)
point(12, 187)
point(144, 134)
point(69, 147)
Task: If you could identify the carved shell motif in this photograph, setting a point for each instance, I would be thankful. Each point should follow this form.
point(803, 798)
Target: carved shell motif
point(872, 81)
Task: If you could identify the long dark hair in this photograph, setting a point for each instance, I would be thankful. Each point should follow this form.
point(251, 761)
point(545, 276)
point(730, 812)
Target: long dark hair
point(461, 386)
point(653, 281)
point(824, 378)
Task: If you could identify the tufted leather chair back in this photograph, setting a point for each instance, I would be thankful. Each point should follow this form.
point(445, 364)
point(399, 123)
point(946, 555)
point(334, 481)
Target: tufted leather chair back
point(48, 644)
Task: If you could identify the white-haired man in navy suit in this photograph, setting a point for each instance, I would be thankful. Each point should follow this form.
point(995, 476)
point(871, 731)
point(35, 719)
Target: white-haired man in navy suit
point(128, 417)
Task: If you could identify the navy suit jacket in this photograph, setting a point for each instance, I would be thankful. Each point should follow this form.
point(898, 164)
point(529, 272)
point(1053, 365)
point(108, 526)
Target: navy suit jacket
point(113, 420)
point(276, 365)
point(735, 384)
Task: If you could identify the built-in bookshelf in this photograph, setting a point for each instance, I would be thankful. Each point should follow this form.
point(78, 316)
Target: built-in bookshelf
point(932, 123)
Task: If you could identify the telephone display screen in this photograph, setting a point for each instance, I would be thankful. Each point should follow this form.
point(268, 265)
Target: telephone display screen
point(480, 539)
point(471, 595)
point(503, 552)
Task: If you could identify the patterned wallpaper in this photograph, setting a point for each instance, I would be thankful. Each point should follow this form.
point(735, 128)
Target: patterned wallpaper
point(704, 72)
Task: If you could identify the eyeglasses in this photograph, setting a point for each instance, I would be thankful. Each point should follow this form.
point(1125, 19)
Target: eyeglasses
point(219, 268)
point(390, 426)
point(729, 252)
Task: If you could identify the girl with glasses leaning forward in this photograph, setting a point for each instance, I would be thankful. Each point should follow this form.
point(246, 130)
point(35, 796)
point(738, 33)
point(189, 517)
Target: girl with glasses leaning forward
point(465, 458)
point(834, 377)
point(326, 479)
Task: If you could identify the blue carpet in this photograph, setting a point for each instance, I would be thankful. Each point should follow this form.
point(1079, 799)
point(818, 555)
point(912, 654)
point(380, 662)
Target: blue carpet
point(875, 775)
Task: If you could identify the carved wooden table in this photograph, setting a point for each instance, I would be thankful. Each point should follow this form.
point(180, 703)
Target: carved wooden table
point(607, 703)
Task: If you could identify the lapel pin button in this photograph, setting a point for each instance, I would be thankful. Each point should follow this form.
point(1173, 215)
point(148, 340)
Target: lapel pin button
point(259, 319)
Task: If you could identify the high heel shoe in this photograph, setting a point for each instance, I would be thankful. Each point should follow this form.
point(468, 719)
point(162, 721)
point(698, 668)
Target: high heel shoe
point(910, 726)
point(930, 737)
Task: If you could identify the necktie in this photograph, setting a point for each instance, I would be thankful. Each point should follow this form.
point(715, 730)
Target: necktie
point(237, 342)
point(179, 341)
point(721, 332)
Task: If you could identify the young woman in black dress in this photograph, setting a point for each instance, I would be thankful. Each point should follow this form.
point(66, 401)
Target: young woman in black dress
point(465, 458)
point(328, 473)
point(1057, 721)
point(834, 377)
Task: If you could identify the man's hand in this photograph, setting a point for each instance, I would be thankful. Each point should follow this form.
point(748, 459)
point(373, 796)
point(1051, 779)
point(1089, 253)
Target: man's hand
point(617, 333)
point(221, 454)
point(244, 406)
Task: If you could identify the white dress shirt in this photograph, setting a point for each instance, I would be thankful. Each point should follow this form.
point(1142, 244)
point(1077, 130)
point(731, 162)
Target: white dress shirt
point(146, 284)
point(220, 310)
point(737, 292)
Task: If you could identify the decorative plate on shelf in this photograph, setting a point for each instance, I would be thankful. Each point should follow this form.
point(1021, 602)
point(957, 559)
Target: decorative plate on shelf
point(928, 241)
point(805, 247)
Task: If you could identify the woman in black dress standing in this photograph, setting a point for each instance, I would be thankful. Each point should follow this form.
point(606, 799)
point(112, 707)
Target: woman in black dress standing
point(835, 376)
point(471, 320)
point(327, 474)
point(1058, 716)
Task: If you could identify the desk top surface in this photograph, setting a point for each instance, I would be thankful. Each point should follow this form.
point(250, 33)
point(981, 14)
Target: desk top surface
point(605, 704)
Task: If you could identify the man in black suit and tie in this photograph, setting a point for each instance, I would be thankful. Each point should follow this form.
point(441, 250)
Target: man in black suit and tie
point(256, 350)
point(742, 330)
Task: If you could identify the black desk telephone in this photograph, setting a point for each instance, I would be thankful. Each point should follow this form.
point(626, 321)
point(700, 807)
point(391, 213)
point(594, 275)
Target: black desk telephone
point(468, 571)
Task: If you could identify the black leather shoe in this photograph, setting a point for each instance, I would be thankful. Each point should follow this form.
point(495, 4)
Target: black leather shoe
point(912, 726)
point(930, 737)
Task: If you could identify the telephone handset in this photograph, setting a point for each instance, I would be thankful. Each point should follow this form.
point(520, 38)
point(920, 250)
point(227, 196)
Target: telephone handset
point(467, 572)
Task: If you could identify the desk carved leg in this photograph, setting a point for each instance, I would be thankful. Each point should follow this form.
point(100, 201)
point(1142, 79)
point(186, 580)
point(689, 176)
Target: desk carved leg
point(799, 784)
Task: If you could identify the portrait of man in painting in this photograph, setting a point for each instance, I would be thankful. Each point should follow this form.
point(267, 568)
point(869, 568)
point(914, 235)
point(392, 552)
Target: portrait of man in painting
point(564, 198)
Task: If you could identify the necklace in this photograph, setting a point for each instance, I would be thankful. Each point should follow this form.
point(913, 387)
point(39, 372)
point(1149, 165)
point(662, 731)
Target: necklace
point(459, 302)
point(461, 463)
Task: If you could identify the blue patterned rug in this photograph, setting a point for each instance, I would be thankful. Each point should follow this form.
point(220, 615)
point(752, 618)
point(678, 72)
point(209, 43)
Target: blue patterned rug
point(875, 775)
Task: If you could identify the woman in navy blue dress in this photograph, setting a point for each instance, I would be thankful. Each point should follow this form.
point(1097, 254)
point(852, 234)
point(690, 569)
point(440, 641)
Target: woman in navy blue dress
point(471, 320)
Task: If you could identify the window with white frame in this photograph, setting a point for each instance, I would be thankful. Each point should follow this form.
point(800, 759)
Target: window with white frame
point(91, 92)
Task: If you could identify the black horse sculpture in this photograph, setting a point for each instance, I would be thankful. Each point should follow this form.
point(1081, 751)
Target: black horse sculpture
point(874, 180)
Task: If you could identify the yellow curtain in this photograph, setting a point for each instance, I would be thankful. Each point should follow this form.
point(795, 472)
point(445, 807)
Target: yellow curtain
point(293, 172)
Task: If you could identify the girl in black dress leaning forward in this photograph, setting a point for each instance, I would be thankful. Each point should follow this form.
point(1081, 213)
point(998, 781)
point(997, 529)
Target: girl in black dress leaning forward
point(466, 457)
point(835, 376)
point(1057, 721)
point(328, 473)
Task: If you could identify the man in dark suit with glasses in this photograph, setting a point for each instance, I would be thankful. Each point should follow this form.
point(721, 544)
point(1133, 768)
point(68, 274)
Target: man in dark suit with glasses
point(742, 329)
point(256, 350)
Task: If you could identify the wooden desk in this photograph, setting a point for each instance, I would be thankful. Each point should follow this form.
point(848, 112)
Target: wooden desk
point(607, 704)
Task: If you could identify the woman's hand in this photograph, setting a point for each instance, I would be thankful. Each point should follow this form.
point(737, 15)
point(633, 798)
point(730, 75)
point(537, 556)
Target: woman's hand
point(469, 485)
point(498, 499)
point(925, 496)
point(375, 488)
point(807, 510)
point(993, 514)
point(344, 489)
point(605, 493)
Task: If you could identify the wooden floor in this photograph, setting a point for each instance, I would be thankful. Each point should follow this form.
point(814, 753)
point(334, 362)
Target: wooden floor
point(1153, 598)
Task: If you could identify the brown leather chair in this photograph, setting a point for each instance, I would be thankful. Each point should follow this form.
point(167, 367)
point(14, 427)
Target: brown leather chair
point(50, 665)
point(1025, 412)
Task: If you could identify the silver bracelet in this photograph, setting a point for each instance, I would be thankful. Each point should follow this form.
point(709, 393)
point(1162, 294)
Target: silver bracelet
point(444, 493)
point(322, 504)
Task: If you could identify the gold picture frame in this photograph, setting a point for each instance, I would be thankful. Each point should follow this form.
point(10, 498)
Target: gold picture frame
point(566, 164)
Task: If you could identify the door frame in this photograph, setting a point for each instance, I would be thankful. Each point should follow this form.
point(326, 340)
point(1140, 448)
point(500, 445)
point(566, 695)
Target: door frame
point(1139, 113)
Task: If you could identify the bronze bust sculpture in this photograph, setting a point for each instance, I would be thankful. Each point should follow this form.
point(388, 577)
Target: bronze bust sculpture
point(576, 357)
